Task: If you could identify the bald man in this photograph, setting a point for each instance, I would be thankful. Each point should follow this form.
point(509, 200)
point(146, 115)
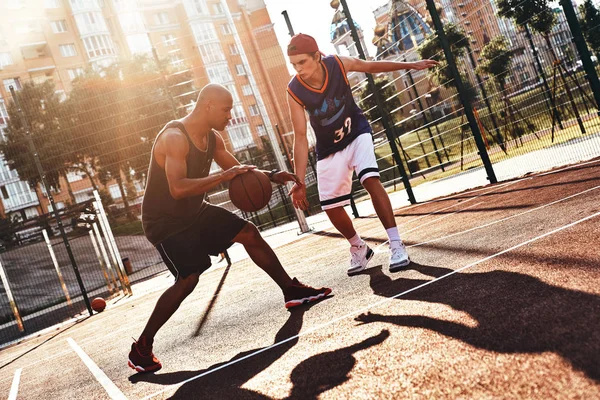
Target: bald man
point(185, 229)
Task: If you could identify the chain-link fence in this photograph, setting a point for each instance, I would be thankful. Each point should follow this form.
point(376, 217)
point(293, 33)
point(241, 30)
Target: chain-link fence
point(531, 108)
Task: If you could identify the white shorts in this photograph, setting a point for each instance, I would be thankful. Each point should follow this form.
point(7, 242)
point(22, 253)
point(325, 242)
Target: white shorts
point(334, 173)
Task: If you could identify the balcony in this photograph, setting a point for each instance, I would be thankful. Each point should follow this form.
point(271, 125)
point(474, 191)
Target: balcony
point(78, 6)
point(34, 50)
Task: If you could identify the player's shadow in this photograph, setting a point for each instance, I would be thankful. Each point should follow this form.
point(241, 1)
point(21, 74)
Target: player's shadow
point(514, 313)
point(325, 371)
point(226, 381)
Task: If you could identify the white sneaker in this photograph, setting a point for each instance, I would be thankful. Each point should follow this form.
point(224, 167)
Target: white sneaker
point(361, 256)
point(398, 256)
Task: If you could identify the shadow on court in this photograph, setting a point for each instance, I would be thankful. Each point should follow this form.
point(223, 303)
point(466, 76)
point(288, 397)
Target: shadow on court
point(515, 313)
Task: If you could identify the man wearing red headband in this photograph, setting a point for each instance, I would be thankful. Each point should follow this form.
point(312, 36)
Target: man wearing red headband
point(344, 142)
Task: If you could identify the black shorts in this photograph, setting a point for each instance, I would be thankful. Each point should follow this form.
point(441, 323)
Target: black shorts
point(188, 252)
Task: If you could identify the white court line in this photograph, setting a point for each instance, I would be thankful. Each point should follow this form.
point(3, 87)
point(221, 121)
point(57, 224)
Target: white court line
point(376, 304)
point(569, 167)
point(112, 389)
point(504, 219)
point(14, 389)
point(462, 202)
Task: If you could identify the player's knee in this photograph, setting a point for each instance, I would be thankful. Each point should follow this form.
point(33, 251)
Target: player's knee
point(249, 234)
point(188, 283)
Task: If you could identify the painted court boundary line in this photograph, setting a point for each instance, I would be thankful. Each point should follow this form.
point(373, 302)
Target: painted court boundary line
point(112, 389)
point(14, 389)
point(505, 218)
point(376, 304)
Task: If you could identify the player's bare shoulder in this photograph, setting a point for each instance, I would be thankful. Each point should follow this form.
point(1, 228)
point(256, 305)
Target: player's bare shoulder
point(171, 141)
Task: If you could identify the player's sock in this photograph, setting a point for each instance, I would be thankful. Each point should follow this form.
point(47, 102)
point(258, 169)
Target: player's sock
point(355, 241)
point(393, 234)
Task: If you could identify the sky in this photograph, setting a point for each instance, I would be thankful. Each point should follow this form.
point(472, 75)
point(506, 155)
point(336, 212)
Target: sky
point(313, 17)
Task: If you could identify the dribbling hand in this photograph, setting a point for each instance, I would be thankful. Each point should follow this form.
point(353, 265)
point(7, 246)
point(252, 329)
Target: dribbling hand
point(235, 171)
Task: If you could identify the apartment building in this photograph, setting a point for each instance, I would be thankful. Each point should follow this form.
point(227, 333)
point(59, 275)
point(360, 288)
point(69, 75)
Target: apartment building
point(230, 42)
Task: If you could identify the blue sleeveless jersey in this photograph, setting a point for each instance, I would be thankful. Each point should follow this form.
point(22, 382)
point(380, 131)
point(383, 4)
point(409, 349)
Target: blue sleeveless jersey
point(334, 116)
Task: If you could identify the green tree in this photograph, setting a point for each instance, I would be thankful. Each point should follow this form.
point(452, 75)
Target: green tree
point(45, 116)
point(590, 25)
point(496, 62)
point(431, 48)
point(536, 13)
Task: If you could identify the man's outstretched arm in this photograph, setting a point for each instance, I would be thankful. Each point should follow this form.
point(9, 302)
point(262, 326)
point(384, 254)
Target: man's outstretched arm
point(352, 64)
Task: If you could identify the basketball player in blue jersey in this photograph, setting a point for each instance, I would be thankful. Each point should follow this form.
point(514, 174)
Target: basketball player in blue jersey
point(344, 142)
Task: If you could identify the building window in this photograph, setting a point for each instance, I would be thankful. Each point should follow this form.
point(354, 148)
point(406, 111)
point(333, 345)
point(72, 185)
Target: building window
point(240, 137)
point(219, 74)
point(5, 59)
point(212, 52)
point(200, 7)
point(90, 22)
point(204, 32)
point(247, 90)
point(14, 82)
point(254, 110)
point(233, 50)
point(226, 29)
point(74, 73)
point(97, 46)
point(59, 26)
point(139, 44)
point(233, 91)
point(161, 18)
point(67, 50)
point(240, 69)
point(168, 40)
point(175, 59)
point(51, 3)
point(3, 113)
point(238, 116)
point(218, 8)
point(261, 130)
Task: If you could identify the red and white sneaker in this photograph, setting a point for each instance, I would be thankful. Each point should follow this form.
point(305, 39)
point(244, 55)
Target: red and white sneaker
point(141, 357)
point(298, 294)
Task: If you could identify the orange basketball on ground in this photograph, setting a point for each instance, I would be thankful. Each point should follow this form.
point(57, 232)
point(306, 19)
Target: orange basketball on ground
point(250, 191)
point(98, 304)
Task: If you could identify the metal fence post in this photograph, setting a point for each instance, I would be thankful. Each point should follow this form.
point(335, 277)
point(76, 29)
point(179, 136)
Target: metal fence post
point(467, 106)
point(387, 124)
point(582, 49)
point(42, 174)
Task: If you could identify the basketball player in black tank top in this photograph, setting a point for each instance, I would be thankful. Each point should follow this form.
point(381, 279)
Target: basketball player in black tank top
point(185, 229)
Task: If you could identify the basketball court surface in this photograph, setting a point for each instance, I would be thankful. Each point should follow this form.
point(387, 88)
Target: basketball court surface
point(501, 301)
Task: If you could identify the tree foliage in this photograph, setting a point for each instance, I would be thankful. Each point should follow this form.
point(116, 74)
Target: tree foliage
point(496, 60)
point(590, 25)
point(536, 13)
point(45, 116)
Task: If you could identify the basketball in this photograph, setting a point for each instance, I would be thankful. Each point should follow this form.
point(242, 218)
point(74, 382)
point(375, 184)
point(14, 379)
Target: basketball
point(250, 191)
point(98, 304)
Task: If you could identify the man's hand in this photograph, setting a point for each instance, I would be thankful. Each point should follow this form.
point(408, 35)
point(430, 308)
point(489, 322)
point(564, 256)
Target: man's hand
point(424, 64)
point(235, 171)
point(282, 177)
point(298, 193)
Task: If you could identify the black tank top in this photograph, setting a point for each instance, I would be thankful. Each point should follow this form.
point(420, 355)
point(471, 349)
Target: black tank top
point(162, 215)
